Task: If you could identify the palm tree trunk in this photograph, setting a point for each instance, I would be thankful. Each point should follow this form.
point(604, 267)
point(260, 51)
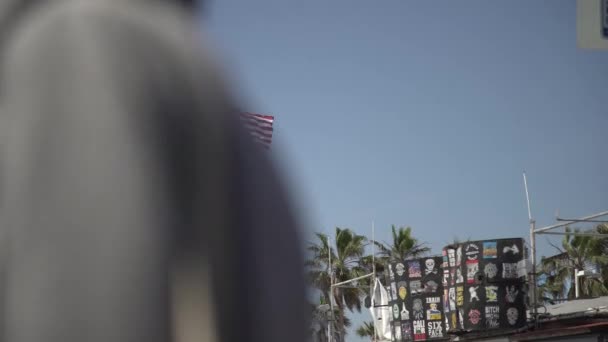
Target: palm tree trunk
point(342, 336)
point(340, 318)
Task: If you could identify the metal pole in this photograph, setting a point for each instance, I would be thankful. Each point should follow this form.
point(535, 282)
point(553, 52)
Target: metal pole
point(603, 213)
point(576, 287)
point(532, 256)
point(351, 280)
point(373, 270)
point(600, 235)
point(527, 197)
point(559, 219)
point(533, 274)
point(373, 248)
point(331, 291)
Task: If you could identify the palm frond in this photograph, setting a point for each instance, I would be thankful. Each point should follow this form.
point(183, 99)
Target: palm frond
point(366, 330)
point(578, 252)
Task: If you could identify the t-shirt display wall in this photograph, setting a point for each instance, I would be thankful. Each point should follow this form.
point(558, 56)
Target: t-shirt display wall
point(415, 300)
point(484, 285)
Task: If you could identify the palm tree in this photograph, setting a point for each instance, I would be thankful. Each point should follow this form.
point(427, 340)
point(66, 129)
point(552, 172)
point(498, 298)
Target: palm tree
point(346, 264)
point(576, 252)
point(602, 228)
point(366, 330)
point(320, 320)
point(318, 265)
point(404, 246)
point(547, 289)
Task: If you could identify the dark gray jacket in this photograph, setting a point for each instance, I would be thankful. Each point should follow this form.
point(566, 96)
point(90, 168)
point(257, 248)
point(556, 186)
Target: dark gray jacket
point(122, 166)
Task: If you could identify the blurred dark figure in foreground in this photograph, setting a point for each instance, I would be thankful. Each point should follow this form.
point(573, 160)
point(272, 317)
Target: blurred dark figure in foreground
point(127, 179)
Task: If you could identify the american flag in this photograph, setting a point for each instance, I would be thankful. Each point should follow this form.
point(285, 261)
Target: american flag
point(260, 127)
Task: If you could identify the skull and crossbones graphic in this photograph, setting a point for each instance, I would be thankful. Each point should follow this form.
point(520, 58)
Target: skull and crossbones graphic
point(429, 265)
point(512, 315)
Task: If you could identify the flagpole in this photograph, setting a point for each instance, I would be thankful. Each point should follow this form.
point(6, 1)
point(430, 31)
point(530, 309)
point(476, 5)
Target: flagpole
point(533, 284)
point(331, 290)
point(373, 249)
point(373, 272)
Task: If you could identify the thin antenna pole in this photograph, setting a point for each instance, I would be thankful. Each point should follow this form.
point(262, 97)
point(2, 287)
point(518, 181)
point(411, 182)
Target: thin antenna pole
point(527, 197)
point(331, 291)
point(373, 272)
point(532, 255)
point(373, 248)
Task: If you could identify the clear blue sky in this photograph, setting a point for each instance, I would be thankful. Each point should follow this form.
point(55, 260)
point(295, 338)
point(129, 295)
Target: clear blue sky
point(425, 113)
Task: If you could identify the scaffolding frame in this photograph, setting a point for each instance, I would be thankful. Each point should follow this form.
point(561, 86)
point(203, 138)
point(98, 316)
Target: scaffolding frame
point(546, 230)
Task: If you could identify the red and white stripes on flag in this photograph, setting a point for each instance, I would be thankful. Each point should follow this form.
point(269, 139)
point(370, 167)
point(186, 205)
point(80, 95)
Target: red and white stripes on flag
point(260, 127)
